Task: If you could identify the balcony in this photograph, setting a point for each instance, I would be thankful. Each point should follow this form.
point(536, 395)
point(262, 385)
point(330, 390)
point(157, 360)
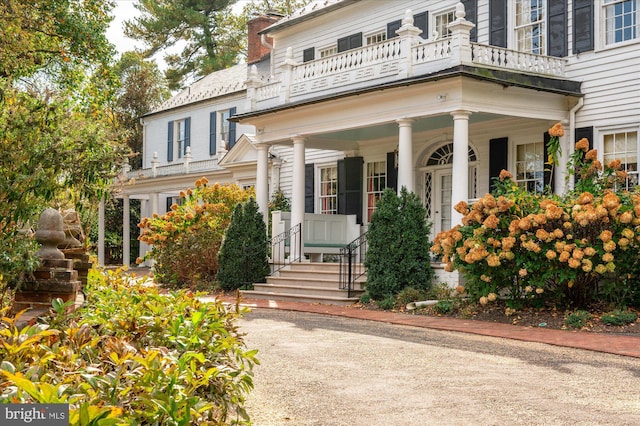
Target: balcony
point(392, 60)
point(185, 167)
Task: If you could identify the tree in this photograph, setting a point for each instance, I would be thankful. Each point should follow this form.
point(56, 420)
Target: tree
point(143, 89)
point(59, 140)
point(209, 34)
point(244, 253)
point(398, 240)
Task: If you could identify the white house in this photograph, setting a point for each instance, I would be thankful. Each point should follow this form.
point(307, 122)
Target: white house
point(436, 96)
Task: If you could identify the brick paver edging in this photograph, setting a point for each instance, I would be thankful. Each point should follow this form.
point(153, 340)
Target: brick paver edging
point(608, 343)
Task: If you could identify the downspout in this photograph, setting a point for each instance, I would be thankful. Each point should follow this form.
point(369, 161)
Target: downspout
point(263, 40)
point(572, 131)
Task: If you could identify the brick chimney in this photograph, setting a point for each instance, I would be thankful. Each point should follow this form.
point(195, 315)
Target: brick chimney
point(256, 51)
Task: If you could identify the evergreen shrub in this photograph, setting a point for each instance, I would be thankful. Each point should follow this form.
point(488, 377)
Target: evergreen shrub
point(398, 246)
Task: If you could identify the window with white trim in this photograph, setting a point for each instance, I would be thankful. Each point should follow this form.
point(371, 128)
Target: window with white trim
point(376, 38)
point(376, 183)
point(623, 146)
point(620, 20)
point(442, 21)
point(328, 51)
point(328, 190)
point(224, 127)
point(530, 166)
point(180, 136)
point(530, 28)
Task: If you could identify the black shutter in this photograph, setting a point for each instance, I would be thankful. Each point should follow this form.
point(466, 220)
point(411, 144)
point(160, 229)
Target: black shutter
point(309, 186)
point(350, 187)
point(471, 8)
point(548, 176)
point(170, 142)
point(582, 26)
point(498, 23)
point(187, 133)
point(308, 54)
point(392, 27)
point(169, 203)
point(212, 133)
point(585, 132)
point(232, 129)
point(498, 158)
point(350, 42)
point(392, 171)
point(557, 27)
point(421, 20)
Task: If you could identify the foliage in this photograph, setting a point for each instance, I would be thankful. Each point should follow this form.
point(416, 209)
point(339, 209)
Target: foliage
point(365, 298)
point(113, 224)
point(398, 253)
point(210, 35)
point(143, 88)
point(244, 254)
point(533, 246)
point(577, 319)
point(619, 317)
point(387, 303)
point(410, 294)
point(185, 241)
point(147, 358)
point(444, 307)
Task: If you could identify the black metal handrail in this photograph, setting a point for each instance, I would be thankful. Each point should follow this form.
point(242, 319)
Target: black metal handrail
point(280, 247)
point(352, 258)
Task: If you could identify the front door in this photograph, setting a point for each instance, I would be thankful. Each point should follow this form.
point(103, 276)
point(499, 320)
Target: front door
point(442, 200)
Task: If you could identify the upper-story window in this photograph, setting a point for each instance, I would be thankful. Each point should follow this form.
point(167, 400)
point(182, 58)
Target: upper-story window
point(442, 21)
point(350, 42)
point(178, 138)
point(222, 132)
point(419, 20)
point(530, 26)
point(328, 51)
point(376, 37)
point(530, 166)
point(620, 20)
point(623, 146)
point(224, 126)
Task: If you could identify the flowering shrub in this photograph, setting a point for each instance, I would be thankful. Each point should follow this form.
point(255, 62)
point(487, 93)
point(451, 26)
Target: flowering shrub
point(185, 241)
point(532, 247)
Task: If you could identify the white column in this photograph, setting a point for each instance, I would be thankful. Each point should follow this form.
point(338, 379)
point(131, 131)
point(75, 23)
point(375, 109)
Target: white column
point(297, 194)
point(155, 200)
point(144, 212)
point(126, 235)
point(101, 233)
point(405, 155)
point(262, 180)
point(460, 190)
point(560, 169)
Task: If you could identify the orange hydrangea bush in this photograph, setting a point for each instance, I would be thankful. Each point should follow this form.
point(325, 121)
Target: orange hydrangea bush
point(577, 248)
point(186, 240)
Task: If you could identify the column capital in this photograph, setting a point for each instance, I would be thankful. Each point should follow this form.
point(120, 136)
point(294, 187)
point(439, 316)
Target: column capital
point(298, 139)
point(461, 114)
point(405, 121)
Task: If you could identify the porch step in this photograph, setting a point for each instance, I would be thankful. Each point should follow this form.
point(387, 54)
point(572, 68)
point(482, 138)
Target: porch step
point(309, 282)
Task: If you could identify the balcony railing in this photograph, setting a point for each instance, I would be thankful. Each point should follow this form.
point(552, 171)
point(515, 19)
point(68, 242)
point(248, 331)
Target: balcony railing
point(401, 57)
point(185, 167)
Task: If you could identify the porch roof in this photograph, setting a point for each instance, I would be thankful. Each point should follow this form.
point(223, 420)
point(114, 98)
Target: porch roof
point(505, 78)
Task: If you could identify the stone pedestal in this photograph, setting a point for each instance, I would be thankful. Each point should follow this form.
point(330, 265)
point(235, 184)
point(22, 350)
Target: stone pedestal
point(81, 264)
point(56, 278)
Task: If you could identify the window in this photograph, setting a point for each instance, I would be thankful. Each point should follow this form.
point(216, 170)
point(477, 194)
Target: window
point(178, 138)
point(376, 38)
point(530, 26)
point(224, 127)
point(530, 166)
point(623, 146)
point(376, 183)
point(328, 190)
point(419, 20)
point(442, 22)
point(620, 20)
point(328, 51)
point(180, 135)
point(308, 54)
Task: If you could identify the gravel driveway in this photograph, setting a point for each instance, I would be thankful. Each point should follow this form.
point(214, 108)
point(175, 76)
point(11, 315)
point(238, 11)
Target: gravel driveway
point(327, 370)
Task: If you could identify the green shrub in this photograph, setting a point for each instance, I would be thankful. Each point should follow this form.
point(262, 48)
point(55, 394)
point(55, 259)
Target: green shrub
point(132, 356)
point(398, 246)
point(365, 298)
point(244, 254)
point(577, 319)
point(410, 294)
point(441, 291)
point(444, 307)
point(619, 317)
point(388, 303)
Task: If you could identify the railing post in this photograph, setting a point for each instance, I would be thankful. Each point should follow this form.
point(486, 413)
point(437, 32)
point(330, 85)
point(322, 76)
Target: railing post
point(461, 37)
point(154, 165)
point(408, 37)
point(287, 76)
point(252, 83)
point(187, 159)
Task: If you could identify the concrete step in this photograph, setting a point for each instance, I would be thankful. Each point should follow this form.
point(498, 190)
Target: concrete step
point(310, 282)
point(267, 295)
point(309, 290)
